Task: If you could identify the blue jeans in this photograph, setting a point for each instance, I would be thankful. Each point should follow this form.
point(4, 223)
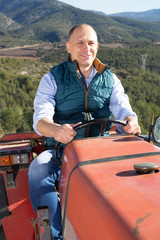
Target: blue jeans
point(43, 174)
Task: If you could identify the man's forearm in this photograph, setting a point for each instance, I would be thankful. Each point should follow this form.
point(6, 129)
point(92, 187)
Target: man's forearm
point(62, 133)
point(46, 127)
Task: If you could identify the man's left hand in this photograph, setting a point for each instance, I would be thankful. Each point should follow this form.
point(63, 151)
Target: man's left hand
point(132, 126)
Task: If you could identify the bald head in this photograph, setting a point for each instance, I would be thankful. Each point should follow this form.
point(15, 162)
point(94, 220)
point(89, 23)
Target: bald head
point(81, 26)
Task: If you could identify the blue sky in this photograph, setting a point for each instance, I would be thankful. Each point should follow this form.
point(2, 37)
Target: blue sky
point(111, 6)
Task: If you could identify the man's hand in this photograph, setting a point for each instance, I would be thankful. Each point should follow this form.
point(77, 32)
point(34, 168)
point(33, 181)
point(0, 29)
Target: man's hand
point(132, 126)
point(64, 133)
point(61, 133)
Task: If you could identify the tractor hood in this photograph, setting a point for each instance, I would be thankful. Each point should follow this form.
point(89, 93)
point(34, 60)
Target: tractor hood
point(102, 194)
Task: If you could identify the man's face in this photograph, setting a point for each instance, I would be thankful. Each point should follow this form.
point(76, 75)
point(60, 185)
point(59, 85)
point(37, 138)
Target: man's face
point(83, 46)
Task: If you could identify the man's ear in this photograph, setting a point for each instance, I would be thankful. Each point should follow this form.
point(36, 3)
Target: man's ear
point(97, 45)
point(68, 47)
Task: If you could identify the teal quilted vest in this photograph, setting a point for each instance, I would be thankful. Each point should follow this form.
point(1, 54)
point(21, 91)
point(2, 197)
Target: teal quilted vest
point(75, 103)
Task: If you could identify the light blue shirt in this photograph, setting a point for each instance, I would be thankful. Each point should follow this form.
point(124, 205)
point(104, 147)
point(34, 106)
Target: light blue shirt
point(44, 102)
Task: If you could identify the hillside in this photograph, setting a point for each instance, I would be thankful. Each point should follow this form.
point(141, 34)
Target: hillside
point(7, 24)
point(19, 79)
point(50, 20)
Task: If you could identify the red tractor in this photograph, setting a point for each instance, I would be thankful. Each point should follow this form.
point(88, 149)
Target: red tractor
point(109, 187)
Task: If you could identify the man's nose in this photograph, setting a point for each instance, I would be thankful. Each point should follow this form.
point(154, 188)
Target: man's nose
point(86, 45)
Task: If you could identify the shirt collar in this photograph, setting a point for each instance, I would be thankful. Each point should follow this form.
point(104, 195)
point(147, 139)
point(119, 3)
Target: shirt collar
point(93, 72)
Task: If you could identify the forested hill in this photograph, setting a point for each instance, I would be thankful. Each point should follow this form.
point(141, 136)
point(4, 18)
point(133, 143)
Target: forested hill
point(19, 79)
point(50, 20)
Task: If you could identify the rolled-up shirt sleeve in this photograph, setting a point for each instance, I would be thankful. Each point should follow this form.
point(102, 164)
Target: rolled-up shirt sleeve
point(44, 102)
point(119, 103)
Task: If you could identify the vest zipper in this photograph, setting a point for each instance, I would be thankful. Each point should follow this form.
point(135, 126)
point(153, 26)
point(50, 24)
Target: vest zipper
point(86, 103)
point(86, 107)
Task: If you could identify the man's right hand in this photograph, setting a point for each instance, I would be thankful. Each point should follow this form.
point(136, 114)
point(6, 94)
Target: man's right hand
point(64, 133)
point(61, 133)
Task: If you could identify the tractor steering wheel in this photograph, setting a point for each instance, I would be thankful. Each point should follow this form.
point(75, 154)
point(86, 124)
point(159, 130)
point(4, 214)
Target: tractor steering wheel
point(103, 122)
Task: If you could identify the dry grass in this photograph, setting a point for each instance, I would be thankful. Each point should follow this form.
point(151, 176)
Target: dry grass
point(25, 52)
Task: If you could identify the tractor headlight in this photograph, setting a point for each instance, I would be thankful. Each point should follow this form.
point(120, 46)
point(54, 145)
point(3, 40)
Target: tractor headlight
point(21, 158)
point(18, 158)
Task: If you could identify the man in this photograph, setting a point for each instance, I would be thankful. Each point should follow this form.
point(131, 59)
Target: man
point(77, 90)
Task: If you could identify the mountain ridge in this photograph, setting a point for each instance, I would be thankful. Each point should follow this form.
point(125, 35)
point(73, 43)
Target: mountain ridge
point(152, 15)
point(50, 20)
